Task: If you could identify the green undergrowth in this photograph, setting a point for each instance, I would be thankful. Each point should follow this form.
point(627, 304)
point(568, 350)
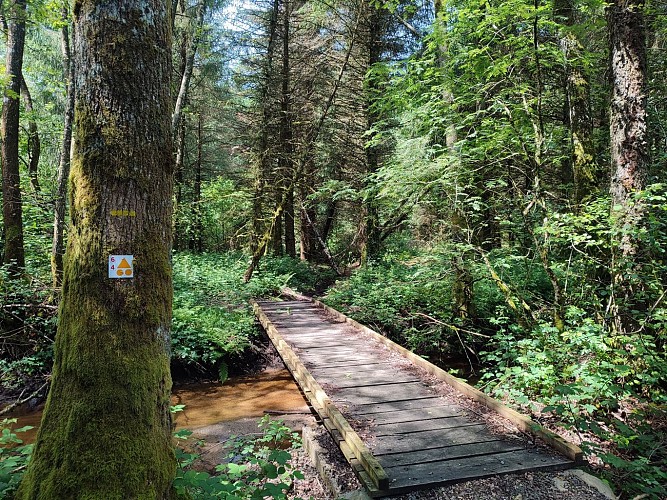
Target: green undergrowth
point(27, 329)
point(607, 389)
point(213, 323)
point(14, 456)
point(256, 468)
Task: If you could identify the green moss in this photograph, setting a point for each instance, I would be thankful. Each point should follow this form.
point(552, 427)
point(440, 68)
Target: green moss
point(106, 429)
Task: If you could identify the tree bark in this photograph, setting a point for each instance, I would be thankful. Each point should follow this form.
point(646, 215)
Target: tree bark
point(186, 76)
point(57, 250)
point(12, 210)
point(34, 145)
point(369, 233)
point(198, 226)
point(578, 105)
point(628, 131)
point(286, 162)
point(106, 428)
point(629, 153)
point(263, 160)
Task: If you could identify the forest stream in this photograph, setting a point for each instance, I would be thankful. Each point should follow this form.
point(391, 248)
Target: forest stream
point(208, 403)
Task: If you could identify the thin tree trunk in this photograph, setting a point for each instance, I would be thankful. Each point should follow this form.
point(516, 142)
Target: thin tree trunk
point(263, 161)
point(57, 250)
point(369, 233)
point(12, 210)
point(34, 145)
point(180, 240)
point(578, 102)
point(197, 241)
point(286, 163)
point(189, 66)
point(308, 216)
point(106, 428)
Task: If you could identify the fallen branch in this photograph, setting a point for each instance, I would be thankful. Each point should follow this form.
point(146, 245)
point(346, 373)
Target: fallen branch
point(19, 401)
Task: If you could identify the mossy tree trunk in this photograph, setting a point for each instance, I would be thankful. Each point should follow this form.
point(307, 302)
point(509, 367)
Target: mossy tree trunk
point(12, 210)
point(106, 429)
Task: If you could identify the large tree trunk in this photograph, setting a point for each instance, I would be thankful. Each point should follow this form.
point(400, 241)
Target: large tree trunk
point(57, 250)
point(628, 115)
point(106, 429)
point(12, 210)
point(629, 149)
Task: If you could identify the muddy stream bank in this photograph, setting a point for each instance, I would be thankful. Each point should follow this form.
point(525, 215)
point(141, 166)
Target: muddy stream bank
point(241, 399)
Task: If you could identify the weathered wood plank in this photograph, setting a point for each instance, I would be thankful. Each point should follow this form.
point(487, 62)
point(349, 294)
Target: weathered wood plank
point(446, 453)
point(382, 393)
point(461, 469)
point(345, 371)
point(398, 416)
point(335, 359)
point(431, 439)
point(365, 378)
point(369, 408)
point(433, 424)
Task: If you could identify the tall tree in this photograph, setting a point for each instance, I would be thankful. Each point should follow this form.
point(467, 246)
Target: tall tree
point(629, 147)
point(34, 144)
point(58, 246)
point(286, 165)
point(578, 103)
point(370, 225)
point(12, 210)
point(106, 429)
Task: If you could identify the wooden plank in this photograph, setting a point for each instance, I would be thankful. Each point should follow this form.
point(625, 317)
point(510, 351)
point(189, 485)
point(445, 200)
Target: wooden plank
point(462, 469)
point(387, 392)
point(433, 424)
point(370, 408)
point(365, 379)
point(447, 453)
point(332, 352)
point(521, 421)
point(317, 342)
point(396, 417)
point(431, 439)
point(344, 371)
point(361, 452)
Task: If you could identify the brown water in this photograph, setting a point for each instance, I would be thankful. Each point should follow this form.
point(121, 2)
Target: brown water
point(211, 402)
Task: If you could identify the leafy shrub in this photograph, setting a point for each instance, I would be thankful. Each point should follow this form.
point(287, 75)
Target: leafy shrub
point(258, 468)
point(212, 318)
point(14, 457)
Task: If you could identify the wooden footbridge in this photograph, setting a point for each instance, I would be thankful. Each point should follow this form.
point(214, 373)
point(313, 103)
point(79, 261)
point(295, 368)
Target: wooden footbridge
point(397, 433)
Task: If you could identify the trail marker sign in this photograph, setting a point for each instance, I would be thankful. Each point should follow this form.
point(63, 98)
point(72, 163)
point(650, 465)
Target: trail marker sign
point(121, 266)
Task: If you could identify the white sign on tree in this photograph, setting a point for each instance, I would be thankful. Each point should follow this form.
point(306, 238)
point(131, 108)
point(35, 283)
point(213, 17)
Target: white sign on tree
point(121, 266)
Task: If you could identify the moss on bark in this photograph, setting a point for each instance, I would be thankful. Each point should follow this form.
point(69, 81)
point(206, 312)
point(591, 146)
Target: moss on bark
point(106, 429)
